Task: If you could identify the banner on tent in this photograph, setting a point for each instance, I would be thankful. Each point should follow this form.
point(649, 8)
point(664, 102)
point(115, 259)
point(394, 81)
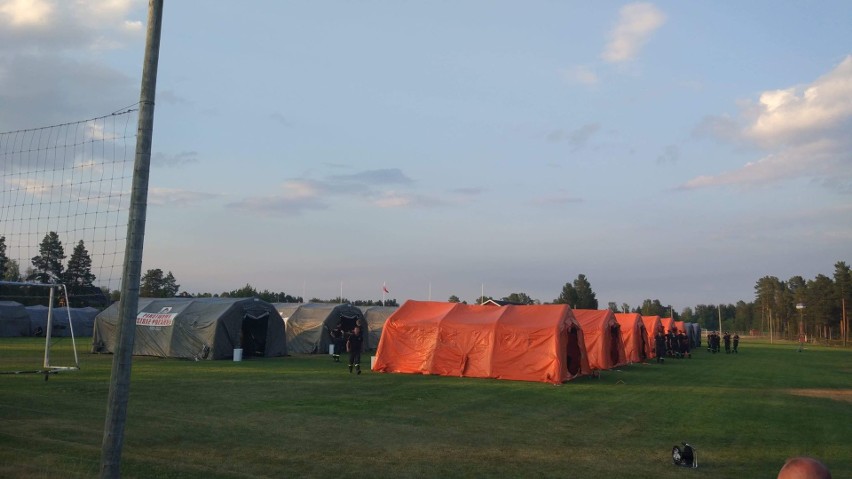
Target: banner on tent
point(155, 319)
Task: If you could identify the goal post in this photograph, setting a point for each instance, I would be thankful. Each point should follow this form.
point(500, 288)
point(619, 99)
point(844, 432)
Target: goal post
point(57, 293)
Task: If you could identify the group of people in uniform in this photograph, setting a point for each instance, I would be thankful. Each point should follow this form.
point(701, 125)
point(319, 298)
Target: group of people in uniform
point(714, 342)
point(352, 341)
point(674, 344)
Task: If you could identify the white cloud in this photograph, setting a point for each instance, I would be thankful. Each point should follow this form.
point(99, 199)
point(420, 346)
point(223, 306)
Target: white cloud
point(392, 199)
point(175, 197)
point(26, 13)
point(580, 74)
point(302, 189)
point(179, 159)
point(801, 112)
point(60, 25)
point(804, 131)
point(636, 23)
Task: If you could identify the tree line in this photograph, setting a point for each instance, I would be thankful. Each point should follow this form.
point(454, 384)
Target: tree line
point(815, 307)
point(48, 268)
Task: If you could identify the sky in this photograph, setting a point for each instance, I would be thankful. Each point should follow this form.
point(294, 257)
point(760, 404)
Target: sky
point(667, 150)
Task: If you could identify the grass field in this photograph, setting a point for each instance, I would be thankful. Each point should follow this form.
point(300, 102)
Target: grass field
point(308, 417)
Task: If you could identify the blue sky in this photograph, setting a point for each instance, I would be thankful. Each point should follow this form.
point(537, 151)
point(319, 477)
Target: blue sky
point(669, 150)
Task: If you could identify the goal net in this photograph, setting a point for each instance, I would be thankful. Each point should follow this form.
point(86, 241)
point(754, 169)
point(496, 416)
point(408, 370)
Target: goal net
point(64, 203)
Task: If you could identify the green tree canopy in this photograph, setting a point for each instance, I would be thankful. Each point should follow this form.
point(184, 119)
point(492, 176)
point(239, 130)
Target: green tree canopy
point(567, 296)
point(156, 285)
point(13, 271)
point(48, 264)
point(246, 291)
point(519, 298)
point(4, 260)
point(483, 299)
point(843, 282)
point(79, 272)
point(585, 296)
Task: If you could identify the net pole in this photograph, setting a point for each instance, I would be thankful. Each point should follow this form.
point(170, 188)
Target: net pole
point(119, 390)
point(71, 326)
point(48, 329)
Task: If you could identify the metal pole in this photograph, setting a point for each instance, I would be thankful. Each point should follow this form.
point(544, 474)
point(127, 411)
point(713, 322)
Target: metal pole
point(119, 388)
point(720, 319)
point(49, 329)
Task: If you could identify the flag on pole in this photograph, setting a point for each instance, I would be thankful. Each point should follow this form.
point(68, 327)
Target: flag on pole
point(385, 288)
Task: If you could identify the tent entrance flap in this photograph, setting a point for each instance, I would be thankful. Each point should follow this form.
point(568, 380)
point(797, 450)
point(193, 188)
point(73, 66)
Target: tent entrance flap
point(348, 322)
point(615, 344)
point(574, 352)
point(253, 335)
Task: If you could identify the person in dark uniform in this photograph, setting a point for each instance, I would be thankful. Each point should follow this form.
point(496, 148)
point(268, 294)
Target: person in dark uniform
point(660, 346)
point(671, 347)
point(714, 342)
point(727, 338)
point(337, 341)
point(353, 345)
point(736, 342)
point(683, 339)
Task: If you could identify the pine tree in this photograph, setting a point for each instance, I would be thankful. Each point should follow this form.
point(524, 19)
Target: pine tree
point(48, 264)
point(79, 272)
point(567, 296)
point(585, 296)
point(4, 260)
point(155, 285)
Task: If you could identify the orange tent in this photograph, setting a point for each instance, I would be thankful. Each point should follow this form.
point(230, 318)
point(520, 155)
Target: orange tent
point(603, 338)
point(680, 327)
point(668, 324)
point(528, 343)
point(634, 336)
point(652, 325)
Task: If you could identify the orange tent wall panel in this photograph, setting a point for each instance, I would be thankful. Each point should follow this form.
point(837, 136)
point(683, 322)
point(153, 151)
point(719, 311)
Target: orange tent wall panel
point(528, 343)
point(652, 325)
point(602, 334)
point(634, 336)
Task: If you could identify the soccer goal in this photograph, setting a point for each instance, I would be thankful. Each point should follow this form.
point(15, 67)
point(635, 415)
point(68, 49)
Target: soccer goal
point(57, 327)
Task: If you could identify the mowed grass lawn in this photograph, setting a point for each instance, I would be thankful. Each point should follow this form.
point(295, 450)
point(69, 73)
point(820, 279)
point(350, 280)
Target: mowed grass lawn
point(306, 416)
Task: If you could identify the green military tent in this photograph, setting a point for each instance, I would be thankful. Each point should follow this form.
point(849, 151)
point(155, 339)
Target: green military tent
point(197, 328)
point(375, 316)
point(14, 320)
point(309, 325)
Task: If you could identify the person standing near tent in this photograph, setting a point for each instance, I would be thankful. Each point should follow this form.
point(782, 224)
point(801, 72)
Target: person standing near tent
point(353, 345)
point(736, 342)
point(337, 341)
point(683, 340)
point(660, 346)
point(727, 338)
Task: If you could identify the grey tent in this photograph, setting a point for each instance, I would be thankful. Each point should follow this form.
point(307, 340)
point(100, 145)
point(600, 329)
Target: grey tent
point(197, 328)
point(14, 320)
point(82, 320)
point(375, 316)
point(286, 310)
point(694, 335)
point(309, 325)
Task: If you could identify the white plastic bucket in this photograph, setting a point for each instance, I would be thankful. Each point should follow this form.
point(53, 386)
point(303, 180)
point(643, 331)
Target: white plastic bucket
point(238, 354)
point(331, 349)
